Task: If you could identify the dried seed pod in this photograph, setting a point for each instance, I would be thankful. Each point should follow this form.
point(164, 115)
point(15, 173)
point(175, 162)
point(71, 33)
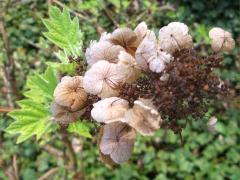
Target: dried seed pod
point(102, 50)
point(221, 40)
point(70, 93)
point(109, 110)
point(174, 37)
point(117, 141)
point(63, 115)
point(103, 80)
point(126, 38)
point(128, 65)
point(143, 117)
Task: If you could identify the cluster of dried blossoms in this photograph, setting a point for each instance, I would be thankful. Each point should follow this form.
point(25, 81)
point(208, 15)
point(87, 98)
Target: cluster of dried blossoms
point(137, 82)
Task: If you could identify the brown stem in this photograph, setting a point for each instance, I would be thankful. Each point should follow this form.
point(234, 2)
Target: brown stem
point(71, 153)
point(5, 109)
point(48, 174)
point(9, 65)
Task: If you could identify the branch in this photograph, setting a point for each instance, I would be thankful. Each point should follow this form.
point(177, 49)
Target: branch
point(68, 144)
point(48, 173)
point(53, 151)
point(9, 65)
point(5, 109)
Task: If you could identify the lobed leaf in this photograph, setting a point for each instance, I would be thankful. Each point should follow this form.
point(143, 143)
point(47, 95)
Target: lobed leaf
point(81, 128)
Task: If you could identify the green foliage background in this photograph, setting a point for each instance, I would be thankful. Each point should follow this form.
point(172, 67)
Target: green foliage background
point(205, 155)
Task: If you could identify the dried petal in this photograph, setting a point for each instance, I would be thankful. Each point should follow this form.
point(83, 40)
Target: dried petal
point(117, 141)
point(105, 36)
point(109, 110)
point(174, 37)
point(128, 65)
point(211, 124)
point(143, 117)
point(70, 93)
point(64, 115)
point(102, 50)
point(126, 38)
point(221, 40)
point(146, 50)
point(141, 31)
point(103, 80)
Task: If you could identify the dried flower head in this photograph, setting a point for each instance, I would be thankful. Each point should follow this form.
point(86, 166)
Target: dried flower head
point(105, 36)
point(126, 38)
point(128, 65)
point(143, 117)
point(141, 31)
point(63, 115)
point(149, 56)
point(70, 93)
point(102, 50)
point(103, 80)
point(109, 110)
point(221, 40)
point(117, 141)
point(174, 37)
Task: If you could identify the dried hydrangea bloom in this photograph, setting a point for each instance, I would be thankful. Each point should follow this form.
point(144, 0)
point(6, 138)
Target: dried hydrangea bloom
point(70, 93)
point(149, 56)
point(102, 50)
point(103, 80)
point(105, 36)
point(141, 31)
point(117, 141)
point(128, 65)
point(63, 115)
point(221, 40)
point(157, 63)
point(126, 38)
point(143, 117)
point(109, 110)
point(174, 37)
point(146, 50)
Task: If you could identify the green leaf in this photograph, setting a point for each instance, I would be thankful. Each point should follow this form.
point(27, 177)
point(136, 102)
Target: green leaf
point(33, 117)
point(81, 128)
point(42, 86)
point(63, 31)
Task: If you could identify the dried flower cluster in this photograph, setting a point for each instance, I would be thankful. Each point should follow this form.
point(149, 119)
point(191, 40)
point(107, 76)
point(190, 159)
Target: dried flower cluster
point(137, 82)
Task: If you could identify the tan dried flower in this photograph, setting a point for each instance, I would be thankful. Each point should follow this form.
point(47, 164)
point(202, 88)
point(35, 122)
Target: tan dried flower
point(128, 65)
point(141, 31)
point(126, 38)
point(117, 141)
point(63, 115)
point(149, 56)
point(143, 117)
point(174, 37)
point(109, 110)
point(102, 50)
point(70, 93)
point(221, 40)
point(103, 80)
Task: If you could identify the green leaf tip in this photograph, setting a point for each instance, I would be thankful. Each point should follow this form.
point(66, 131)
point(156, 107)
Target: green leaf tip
point(81, 128)
point(62, 30)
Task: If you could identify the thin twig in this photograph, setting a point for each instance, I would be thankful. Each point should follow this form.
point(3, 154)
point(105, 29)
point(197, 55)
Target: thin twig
point(53, 150)
point(15, 167)
point(5, 109)
point(68, 144)
point(48, 174)
point(71, 11)
point(9, 65)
